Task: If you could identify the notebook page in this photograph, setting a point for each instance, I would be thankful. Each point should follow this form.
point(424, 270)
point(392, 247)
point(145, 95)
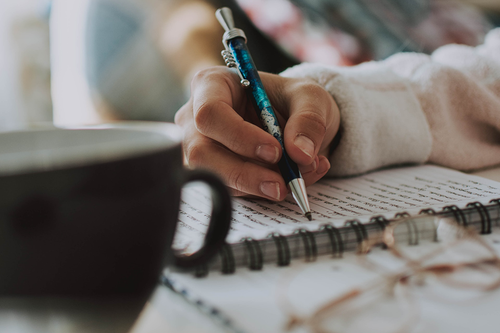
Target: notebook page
point(385, 192)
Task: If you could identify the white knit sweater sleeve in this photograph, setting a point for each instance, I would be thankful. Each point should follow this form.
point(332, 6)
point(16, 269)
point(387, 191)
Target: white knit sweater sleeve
point(415, 108)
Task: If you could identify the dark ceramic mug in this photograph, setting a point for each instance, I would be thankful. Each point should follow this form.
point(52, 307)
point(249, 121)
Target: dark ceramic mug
point(93, 211)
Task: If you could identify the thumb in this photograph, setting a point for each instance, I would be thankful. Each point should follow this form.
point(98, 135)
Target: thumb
point(313, 121)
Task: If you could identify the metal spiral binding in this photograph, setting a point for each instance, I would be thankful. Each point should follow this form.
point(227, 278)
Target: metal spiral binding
point(309, 242)
point(336, 241)
point(485, 217)
point(282, 249)
point(255, 259)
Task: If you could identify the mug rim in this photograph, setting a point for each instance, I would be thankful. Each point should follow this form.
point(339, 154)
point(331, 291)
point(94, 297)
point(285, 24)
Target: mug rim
point(146, 137)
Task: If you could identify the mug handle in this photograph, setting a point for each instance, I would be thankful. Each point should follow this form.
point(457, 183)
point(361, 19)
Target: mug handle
point(220, 220)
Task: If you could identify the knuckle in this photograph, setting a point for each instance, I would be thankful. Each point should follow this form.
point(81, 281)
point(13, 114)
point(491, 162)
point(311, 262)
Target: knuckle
point(236, 143)
point(310, 87)
point(315, 122)
point(202, 75)
point(315, 91)
point(208, 74)
point(236, 179)
point(194, 154)
point(204, 116)
point(181, 114)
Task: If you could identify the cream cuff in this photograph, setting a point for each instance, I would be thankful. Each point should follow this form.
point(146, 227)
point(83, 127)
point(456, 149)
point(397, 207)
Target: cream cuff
point(382, 122)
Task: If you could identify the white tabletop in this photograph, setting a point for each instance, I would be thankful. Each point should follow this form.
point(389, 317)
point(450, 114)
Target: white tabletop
point(164, 312)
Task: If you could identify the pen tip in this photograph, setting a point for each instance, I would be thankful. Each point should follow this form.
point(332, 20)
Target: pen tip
point(309, 216)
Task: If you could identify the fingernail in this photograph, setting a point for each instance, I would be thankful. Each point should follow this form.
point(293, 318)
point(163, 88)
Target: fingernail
point(268, 153)
point(305, 144)
point(270, 189)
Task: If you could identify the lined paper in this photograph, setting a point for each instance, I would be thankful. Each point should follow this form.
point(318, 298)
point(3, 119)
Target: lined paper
point(385, 192)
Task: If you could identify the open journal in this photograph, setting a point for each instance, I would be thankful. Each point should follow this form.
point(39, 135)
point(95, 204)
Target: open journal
point(265, 231)
point(433, 279)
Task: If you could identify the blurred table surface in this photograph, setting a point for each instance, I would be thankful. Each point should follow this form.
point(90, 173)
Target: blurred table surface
point(164, 312)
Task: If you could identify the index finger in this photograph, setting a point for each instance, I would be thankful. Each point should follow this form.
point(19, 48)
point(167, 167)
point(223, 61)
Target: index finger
point(221, 110)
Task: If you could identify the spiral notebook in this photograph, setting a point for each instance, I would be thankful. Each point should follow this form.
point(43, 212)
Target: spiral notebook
point(344, 211)
point(255, 285)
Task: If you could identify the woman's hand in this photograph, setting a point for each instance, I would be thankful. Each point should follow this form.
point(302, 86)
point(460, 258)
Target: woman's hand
point(222, 132)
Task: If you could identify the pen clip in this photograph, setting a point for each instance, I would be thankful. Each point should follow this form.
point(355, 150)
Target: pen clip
point(225, 18)
point(230, 62)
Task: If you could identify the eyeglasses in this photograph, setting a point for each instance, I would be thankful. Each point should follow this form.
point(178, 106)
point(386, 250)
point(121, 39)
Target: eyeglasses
point(451, 264)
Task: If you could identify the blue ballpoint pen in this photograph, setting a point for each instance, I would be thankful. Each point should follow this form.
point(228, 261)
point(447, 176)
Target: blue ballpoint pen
point(236, 54)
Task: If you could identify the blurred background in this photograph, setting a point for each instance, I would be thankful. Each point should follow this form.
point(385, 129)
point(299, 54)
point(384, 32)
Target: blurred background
point(87, 61)
point(24, 63)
